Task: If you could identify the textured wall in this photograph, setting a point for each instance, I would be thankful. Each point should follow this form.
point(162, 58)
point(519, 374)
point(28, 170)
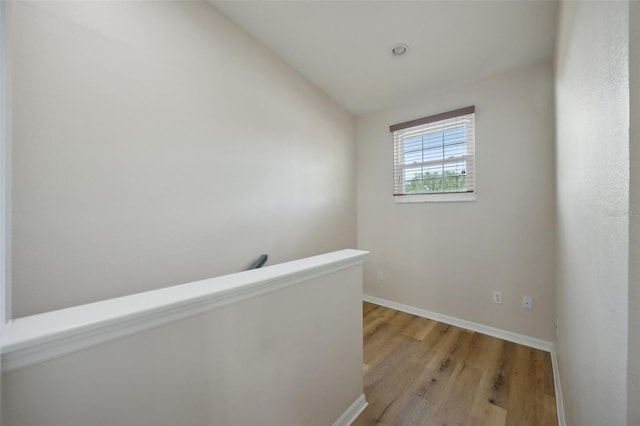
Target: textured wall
point(592, 103)
point(154, 144)
point(634, 226)
point(450, 257)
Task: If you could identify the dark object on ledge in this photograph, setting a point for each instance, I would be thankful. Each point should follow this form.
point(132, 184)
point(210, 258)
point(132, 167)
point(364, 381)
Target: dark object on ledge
point(261, 261)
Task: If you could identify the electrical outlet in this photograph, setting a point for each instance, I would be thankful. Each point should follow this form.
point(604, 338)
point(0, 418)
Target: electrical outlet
point(527, 303)
point(380, 275)
point(497, 297)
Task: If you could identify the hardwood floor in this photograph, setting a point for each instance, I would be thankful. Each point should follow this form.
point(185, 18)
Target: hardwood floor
point(422, 372)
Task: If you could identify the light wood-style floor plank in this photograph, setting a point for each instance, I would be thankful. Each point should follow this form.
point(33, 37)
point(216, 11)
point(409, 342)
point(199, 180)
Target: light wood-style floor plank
point(422, 372)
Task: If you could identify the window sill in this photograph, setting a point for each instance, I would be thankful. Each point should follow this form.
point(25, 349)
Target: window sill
point(437, 198)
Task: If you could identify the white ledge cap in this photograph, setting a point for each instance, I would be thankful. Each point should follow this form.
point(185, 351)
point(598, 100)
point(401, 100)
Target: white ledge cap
point(33, 339)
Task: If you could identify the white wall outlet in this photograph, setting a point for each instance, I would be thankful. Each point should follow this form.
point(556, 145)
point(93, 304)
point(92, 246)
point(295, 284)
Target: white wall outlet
point(380, 275)
point(497, 297)
point(527, 303)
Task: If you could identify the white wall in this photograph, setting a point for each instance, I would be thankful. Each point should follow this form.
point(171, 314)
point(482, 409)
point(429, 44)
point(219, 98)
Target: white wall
point(4, 170)
point(275, 359)
point(154, 144)
point(592, 103)
point(633, 396)
point(449, 257)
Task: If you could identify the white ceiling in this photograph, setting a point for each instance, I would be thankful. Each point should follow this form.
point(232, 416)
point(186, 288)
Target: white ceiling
point(342, 46)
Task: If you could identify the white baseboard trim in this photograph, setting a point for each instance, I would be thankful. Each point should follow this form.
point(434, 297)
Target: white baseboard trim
point(521, 339)
point(352, 412)
point(556, 382)
point(469, 325)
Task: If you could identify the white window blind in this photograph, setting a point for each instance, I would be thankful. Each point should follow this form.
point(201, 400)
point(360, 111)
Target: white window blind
point(435, 154)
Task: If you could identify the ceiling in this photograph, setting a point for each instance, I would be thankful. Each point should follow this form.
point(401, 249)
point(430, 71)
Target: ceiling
point(343, 46)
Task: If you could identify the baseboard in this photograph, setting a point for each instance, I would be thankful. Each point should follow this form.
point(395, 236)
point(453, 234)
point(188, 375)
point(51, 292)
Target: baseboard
point(491, 331)
point(352, 412)
point(556, 382)
point(510, 336)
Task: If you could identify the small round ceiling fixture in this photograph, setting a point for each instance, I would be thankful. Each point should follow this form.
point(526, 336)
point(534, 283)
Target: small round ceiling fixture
point(398, 50)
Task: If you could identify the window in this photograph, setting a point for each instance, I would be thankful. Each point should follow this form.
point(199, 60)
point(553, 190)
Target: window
point(434, 157)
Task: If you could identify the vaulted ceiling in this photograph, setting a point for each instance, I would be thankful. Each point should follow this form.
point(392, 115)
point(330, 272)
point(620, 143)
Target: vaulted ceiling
point(343, 46)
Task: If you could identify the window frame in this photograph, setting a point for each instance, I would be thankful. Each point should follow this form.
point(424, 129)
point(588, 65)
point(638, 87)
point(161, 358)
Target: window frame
point(399, 166)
